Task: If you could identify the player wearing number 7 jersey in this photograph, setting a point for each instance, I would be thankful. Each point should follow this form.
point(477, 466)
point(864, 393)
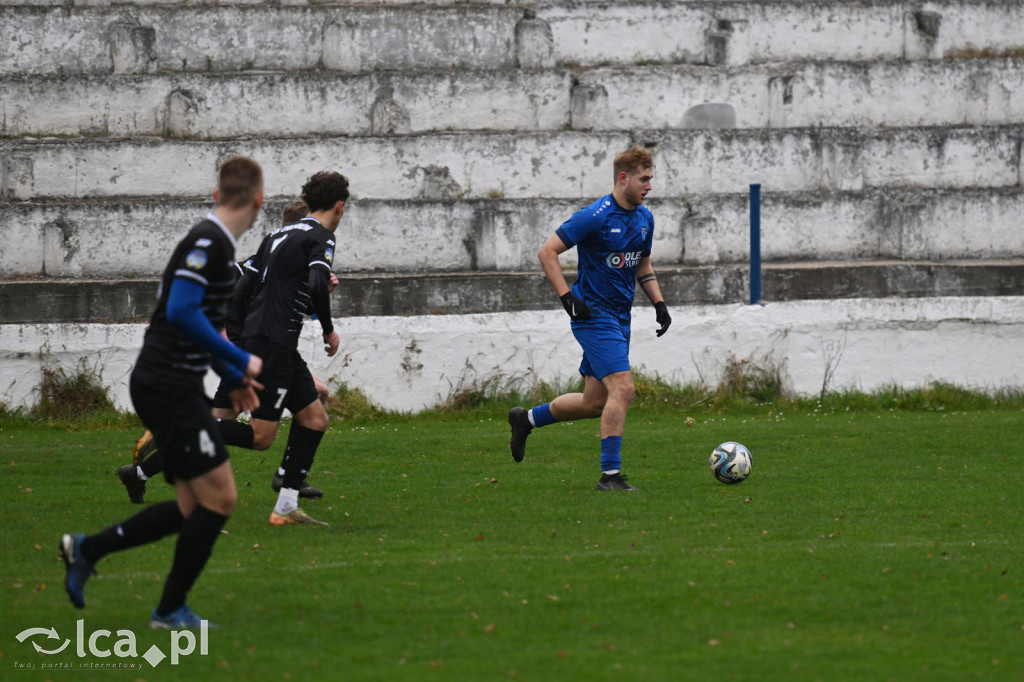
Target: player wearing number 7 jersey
point(181, 344)
point(293, 266)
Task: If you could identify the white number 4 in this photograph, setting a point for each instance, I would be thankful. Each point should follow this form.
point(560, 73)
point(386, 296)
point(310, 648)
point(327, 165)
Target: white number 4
point(206, 445)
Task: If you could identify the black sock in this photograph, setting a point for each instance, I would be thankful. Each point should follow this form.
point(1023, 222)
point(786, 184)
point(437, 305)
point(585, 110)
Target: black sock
point(236, 433)
point(152, 465)
point(195, 544)
point(149, 525)
point(302, 445)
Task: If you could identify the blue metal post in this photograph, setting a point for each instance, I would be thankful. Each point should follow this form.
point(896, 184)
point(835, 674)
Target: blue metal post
point(755, 244)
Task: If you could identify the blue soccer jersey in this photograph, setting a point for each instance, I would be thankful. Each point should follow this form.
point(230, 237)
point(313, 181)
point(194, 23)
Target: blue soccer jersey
point(609, 241)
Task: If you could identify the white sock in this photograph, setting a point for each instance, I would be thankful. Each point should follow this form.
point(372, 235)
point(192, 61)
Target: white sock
point(280, 471)
point(142, 476)
point(529, 415)
point(610, 472)
point(287, 501)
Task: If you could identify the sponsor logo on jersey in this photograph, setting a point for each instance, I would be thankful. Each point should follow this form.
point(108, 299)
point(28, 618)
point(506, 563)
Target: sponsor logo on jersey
point(196, 259)
point(203, 243)
point(622, 260)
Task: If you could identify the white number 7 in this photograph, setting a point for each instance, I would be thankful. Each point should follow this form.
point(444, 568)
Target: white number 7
point(281, 393)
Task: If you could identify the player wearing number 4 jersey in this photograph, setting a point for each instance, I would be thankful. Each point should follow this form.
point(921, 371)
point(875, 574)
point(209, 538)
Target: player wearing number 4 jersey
point(294, 280)
point(181, 344)
point(613, 238)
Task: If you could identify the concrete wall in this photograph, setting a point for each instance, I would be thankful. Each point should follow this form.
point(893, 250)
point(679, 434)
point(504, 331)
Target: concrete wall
point(977, 92)
point(798, 94)
point(58, 300)
point(529, 165)
point(211, 106)
point(131, 238)
point(887, 130)
point(408, 363)
point(143, 38)
point(471, 130)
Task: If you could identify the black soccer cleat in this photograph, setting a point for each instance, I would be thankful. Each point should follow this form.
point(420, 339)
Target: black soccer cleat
point(135, 486)
point(519, 420)
point(614, 481)
point(305, 490)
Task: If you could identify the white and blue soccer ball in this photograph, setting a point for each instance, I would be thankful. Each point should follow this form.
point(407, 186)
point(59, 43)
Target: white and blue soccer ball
point(731, 462)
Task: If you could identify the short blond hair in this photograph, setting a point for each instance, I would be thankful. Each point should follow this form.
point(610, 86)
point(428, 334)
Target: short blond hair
point(632, 161)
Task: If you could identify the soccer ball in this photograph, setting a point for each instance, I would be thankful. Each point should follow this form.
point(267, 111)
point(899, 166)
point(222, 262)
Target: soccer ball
point(730, 463)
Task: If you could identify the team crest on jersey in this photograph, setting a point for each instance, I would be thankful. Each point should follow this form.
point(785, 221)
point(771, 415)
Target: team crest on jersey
point(329, 255)
point(196, 259)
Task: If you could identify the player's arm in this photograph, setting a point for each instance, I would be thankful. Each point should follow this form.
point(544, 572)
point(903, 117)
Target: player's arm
point(320, 304)
point(184, 311)
point(548, 257)
point(238, 305)
point(647, 280)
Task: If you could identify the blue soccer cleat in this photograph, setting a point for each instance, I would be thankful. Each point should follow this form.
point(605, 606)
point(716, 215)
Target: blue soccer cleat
point(78, 569)
point(182, 618)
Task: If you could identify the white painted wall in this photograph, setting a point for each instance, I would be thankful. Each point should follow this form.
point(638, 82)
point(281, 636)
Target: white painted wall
point(410, 363)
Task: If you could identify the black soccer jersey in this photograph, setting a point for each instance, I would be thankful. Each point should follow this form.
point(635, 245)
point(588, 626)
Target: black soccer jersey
point(238, 307)
point(285, 260)
point(205, 256)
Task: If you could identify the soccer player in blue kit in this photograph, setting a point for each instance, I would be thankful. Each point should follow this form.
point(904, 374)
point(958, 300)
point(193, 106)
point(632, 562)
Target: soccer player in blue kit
point(613, 238)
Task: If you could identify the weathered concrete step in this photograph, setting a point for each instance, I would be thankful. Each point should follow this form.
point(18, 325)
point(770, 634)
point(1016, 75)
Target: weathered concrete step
point(526, 166)
point(130, 237)
point(879, 93)
point(357, 37)
point(37, 301)
point(225, 105)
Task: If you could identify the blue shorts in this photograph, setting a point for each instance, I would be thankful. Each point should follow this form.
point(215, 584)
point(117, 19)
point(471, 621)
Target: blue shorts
point(605, 343)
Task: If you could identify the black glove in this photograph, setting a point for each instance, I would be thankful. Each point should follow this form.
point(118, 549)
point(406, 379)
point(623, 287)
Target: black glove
point(577, 309)
point(661, 314)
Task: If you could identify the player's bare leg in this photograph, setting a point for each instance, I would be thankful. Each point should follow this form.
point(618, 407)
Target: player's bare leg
point(620, 388)
point(566, 407)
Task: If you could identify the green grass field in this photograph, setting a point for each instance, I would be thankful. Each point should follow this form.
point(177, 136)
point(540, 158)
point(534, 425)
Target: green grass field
point(866, 545)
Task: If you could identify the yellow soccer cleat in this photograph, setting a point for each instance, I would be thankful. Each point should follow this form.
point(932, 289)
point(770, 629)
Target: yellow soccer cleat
point(293, 518)
point(144, 447)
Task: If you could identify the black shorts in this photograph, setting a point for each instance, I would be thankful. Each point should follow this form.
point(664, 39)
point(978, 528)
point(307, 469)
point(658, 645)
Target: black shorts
point(287, 381)
point(179, 417)
point(222, 398)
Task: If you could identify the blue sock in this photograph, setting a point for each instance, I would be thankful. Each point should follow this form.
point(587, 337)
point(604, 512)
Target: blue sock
point(541, 415)
point(611, 451)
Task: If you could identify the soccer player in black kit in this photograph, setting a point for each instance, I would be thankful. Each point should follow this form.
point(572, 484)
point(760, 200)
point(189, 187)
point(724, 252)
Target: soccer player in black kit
point(294, 266)
point(182, 342)
point(147, 462)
